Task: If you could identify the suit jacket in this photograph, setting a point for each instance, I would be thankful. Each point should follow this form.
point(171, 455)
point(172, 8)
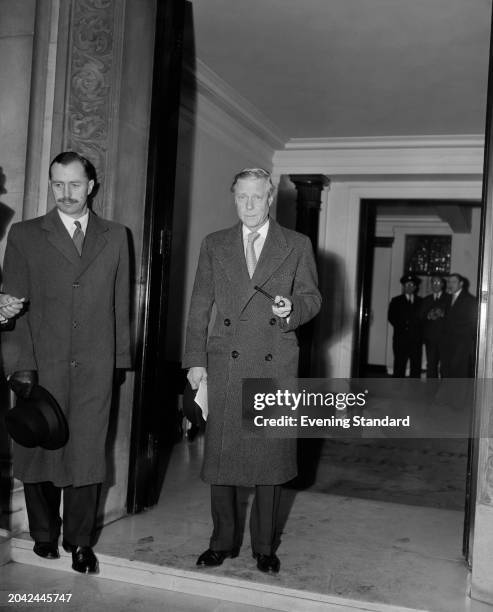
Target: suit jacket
point(404, 317)
point(247, 341)
point(74, 332)
point(432, 314)
point(460, 327)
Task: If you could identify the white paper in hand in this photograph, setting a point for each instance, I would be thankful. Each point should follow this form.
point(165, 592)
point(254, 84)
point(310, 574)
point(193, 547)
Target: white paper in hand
point(201, 399)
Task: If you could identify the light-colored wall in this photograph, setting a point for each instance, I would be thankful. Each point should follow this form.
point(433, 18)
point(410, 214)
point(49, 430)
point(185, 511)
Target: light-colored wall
point(213, 146)
point(16, 44)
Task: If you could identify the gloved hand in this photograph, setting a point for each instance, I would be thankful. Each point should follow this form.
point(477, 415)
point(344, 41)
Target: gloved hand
point(22, 382)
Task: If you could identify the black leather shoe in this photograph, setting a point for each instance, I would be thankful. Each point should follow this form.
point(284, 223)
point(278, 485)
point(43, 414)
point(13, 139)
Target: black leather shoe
point(267, 563)
point(84, 560)
point(47, 550)
point(213, 558)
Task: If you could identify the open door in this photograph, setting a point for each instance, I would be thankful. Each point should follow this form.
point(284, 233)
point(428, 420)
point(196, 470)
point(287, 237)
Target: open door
point(150, 414)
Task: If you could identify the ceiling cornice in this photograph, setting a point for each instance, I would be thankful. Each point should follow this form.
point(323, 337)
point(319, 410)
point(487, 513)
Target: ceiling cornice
point(201, 80)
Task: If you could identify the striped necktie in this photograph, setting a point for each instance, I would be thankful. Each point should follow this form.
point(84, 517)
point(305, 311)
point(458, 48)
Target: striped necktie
point(78, 237)
point(251, 257)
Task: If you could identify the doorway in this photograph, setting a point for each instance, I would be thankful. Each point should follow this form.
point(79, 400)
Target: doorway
point(392, 232)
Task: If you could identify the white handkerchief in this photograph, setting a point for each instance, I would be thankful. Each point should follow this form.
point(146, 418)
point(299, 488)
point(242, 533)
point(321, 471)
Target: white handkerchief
point(201, 399)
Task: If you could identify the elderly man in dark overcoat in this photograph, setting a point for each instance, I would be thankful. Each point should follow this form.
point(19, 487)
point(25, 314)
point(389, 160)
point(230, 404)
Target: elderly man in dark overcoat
point(72, 268)
point(252, 337)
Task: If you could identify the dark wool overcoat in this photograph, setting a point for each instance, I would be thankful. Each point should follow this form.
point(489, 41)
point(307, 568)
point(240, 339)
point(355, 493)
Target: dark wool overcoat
point(74, 333)
point(247, 341)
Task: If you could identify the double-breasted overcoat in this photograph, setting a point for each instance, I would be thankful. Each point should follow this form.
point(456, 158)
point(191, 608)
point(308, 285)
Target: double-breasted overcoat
point(247, 341)
point(74, 333)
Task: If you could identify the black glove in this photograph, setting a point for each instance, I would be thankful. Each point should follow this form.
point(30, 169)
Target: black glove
point(22, 382)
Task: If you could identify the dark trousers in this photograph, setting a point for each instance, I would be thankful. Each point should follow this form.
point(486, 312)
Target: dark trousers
point(432, 358)
point(80, 506)
point(263, 518)
point(407, 349)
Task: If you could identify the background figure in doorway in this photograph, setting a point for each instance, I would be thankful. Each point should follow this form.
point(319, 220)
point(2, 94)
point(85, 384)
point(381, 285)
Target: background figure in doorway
point(403, 315)
point(458, 339)
point(432, 315)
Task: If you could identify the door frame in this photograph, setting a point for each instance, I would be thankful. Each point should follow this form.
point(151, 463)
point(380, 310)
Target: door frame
point(150, 371)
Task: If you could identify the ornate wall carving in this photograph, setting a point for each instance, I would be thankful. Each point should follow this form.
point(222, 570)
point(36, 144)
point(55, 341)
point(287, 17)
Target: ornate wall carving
point(93, 84)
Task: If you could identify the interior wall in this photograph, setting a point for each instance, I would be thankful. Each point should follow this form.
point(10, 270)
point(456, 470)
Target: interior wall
point(16, 46)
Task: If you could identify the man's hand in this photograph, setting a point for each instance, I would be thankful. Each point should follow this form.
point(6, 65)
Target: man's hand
point(22, 382)
point(282, 311)
point(10, 306)
point(196, 375)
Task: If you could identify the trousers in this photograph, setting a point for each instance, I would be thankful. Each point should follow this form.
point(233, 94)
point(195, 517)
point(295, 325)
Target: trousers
point(80, 506)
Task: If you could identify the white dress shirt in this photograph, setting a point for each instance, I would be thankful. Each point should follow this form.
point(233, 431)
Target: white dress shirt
point(70, 226)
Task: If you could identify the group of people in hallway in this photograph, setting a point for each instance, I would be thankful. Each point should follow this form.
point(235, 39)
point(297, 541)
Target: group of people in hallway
point(444, 321)
point(65, 316)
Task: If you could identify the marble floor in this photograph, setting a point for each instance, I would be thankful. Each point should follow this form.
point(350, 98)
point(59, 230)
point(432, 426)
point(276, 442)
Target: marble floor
point(92, 595)
point(363, 549)
point(403, 553)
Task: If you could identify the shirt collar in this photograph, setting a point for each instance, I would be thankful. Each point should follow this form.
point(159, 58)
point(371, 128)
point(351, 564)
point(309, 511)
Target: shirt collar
point(262, 230)
point(68, 221)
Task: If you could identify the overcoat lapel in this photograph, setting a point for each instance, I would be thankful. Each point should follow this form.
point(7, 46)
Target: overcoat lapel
point(232, 258)
point(94, 242)
point(58, 236)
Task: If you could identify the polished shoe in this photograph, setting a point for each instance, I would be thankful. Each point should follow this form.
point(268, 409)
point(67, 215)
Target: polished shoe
point(267, 563)
point(213, 558)
point(47, 550)
point(83, 558)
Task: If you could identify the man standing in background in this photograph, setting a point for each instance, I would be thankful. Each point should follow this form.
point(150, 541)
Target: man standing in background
point(403, 315)
point(458, 340)
point(432, 315)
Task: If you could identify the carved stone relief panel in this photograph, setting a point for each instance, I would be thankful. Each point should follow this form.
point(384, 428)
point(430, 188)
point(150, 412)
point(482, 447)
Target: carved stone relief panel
point(93, 87)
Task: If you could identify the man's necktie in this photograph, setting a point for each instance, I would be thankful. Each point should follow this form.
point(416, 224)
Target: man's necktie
point(251, 258)
point(78, 237)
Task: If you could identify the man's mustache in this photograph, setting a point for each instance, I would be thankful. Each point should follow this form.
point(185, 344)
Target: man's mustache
point(67, 201)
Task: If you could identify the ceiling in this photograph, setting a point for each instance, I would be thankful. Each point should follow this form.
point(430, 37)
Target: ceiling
point(352, 68)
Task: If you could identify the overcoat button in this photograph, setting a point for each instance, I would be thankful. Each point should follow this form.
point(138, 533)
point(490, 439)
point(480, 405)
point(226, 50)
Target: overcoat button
point(74, 363)
point(235, 354)
point(75, 324)
point(273, 321)
point(268, 357)
point(227, 322)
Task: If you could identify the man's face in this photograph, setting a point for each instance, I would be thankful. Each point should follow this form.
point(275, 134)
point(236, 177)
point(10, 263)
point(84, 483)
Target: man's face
point(252, 201)
point(70, 187)
point(436, 284)
point(453, 284)
point(409, 287)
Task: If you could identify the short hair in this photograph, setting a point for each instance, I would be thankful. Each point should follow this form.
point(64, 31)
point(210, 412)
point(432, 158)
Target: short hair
point(459, 277)
point(440, 278)
point(68, 157)
point(254, 173)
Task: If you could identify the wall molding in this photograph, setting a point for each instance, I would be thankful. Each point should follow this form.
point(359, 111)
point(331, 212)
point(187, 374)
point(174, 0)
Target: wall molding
point(201, 84)
point(384, 156)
